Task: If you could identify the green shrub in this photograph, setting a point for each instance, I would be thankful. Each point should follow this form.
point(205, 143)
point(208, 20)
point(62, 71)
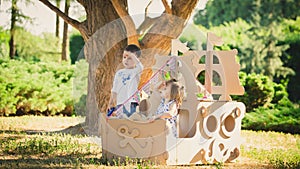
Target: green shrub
point(4, 39)
point(36, 88)
point(37, 48)
point(279, 93)
point(281, 119)
point(80, 86)
point(76, 46)
point(259, 91)
point(292, 37)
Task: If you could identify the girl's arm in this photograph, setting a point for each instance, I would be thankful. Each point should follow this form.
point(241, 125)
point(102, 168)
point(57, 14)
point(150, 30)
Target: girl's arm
point(158, 86)
point(168, 114)
point(112, 100)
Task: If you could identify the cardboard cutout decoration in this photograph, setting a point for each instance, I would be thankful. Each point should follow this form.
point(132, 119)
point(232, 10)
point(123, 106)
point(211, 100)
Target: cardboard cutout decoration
point(208, 129)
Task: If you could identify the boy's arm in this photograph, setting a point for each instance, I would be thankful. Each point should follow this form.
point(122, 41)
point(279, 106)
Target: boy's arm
point(112, 100)
point(137, 62)
point(113, 96)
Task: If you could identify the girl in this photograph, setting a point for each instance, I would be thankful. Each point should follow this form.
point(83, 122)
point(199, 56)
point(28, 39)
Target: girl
point(171, 94)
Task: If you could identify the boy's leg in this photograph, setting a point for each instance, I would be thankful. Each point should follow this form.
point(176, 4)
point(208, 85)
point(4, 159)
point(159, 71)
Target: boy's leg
point(125, 111)
point(133, 106)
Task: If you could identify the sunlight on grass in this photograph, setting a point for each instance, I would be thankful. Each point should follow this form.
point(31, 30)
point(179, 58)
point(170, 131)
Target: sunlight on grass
point(49, 149)
point(18, 149)
point(278, 149)
point(58, 144)
point(38, 123)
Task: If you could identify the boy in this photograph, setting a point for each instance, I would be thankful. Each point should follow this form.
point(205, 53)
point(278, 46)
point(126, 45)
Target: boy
point(126, 81)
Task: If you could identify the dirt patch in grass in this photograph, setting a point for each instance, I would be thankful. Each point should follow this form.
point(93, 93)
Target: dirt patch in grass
point(39, 123)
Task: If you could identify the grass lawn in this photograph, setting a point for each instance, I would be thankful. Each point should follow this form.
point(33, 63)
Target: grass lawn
point(54, 142)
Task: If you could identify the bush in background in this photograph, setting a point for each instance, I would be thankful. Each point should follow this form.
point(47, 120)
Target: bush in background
point(4, 47)
point(80, 87)
point(37, 48)
point(76, 46)
point(259, 91)
point(291, 29)
point(280, 119)
point(36, 88)
point(267, 105)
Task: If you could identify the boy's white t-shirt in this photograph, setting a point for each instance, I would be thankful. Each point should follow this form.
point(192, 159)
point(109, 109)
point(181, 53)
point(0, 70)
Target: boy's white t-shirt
point(126, 83)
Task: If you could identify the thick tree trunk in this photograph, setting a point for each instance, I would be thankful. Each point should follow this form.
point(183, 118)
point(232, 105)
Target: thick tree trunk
point(106, 35)
point(64, 52)
point(12, 48)
point(102, 53)
point(112, 40)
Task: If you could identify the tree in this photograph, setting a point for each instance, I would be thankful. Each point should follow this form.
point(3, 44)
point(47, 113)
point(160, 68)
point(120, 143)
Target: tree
point(291, 30)
point(13, 20)
point(104, 45)
point(259, 48)
point(64, 51)
point(16, 16)
point(219, 11)
point(57, 20)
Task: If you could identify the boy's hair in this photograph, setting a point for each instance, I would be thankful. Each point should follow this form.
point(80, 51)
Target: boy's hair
point(177, 91)
point(133, 49)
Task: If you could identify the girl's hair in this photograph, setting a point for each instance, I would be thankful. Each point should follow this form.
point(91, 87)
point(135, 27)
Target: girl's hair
point(177, 91)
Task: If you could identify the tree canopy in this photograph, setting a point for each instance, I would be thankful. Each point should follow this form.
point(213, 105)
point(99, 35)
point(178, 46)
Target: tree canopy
point(116, 29)
point(262, 11)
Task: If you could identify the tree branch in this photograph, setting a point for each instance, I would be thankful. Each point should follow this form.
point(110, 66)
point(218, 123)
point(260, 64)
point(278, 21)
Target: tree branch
point(183, 9)
point(146, 9)
point(147, 23)
point(65, 17)
point(167, 7)
point(81, 2)
point(167, 27)
point(132, 36)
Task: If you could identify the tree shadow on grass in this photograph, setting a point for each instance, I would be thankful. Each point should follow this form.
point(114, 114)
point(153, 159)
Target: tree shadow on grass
point(78, 129)
point(11, 135)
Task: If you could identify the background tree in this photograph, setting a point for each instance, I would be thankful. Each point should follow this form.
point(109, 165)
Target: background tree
point(156, 40)
point(291, 31)
point(259, 48)
point(57, 22)
point(76, 44)
point(13, 20)
point(16, 16)
point(220, 11)
point(266, 33)
point(64, 52)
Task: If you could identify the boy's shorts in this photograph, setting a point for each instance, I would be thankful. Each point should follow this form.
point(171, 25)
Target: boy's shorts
point(133, 106)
